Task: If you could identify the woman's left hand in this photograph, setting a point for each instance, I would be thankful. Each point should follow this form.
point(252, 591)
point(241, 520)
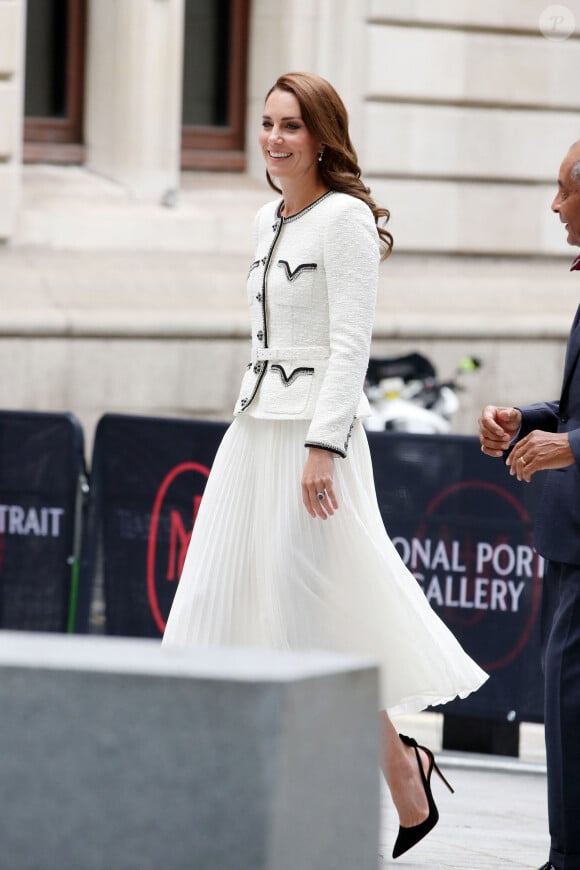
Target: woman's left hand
point(317, 481)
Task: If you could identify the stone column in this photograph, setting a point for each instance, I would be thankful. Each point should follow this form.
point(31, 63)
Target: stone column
point(133, 98)
point(12, 30)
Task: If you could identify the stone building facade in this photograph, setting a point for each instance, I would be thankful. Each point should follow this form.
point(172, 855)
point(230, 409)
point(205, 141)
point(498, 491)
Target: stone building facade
point(460, 112)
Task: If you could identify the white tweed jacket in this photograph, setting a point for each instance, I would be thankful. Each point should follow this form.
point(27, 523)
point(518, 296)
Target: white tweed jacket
point(312, 293)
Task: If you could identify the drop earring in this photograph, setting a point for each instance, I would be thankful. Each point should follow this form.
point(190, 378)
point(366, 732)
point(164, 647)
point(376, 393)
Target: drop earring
point(320, 155)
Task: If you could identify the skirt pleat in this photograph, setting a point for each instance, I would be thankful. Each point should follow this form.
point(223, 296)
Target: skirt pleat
point(261, 572)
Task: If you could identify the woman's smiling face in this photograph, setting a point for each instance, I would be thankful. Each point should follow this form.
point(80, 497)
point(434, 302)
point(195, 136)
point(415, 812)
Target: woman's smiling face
point(289, 149)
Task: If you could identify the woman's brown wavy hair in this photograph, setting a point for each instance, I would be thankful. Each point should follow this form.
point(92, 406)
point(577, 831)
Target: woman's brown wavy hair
point(325, 117)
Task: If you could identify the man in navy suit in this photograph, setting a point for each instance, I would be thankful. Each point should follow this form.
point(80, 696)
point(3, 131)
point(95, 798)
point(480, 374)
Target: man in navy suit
point(546, 437)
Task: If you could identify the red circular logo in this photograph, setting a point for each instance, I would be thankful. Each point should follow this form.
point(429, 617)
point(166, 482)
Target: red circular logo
point(169, 537)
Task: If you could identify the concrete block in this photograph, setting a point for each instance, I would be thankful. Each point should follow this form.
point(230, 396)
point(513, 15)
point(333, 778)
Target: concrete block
point(119, 754)
point(527, 373)
point(462, 142)
point(466, 217)
point(413, 63)
point(154, 375)
point(199, 224)
point(150, 372)
point(9, 120)
point(9, 197)
point(211, 373)
point(519, 15)
point(34, 373)
point(11, 16)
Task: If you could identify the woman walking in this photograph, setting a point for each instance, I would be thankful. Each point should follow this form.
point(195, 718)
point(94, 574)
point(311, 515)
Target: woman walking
point(289, 549)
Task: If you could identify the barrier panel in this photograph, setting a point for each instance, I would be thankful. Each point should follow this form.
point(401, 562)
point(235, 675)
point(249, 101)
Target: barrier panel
point(464, 528)
point(460, 522)
point(42, 494)
point(147, 479)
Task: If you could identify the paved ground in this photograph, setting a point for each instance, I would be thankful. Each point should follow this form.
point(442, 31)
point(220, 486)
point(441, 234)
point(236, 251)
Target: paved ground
point(496, 818)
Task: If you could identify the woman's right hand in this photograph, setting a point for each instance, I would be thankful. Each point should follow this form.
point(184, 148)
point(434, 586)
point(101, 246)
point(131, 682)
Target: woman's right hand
point(317, 479)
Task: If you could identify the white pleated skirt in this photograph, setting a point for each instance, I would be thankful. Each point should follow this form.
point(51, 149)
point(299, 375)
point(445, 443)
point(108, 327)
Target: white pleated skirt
point(261, 572)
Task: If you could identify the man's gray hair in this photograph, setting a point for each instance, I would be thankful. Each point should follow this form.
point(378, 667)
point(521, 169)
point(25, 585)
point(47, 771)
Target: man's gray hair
point(575, 172)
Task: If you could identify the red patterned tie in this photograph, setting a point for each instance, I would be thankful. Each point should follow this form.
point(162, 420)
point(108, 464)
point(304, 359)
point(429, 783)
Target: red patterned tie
point(575, 267)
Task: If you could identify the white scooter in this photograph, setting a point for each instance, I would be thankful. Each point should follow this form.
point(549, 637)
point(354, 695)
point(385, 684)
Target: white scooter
point(405, 394)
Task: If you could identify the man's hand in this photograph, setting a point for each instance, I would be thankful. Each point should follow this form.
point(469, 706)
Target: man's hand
point(540, 451)
point(497, 428)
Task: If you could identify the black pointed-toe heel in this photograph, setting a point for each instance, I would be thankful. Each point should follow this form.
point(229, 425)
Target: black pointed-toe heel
point(409, 837)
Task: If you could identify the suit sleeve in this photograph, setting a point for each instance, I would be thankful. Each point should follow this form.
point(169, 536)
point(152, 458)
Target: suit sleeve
point(351, 261)
point(574, 439)
point(546, 417)
point(542, 415)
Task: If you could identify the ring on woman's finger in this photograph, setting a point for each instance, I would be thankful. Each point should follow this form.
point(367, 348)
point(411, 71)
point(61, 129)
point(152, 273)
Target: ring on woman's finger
point(320, 496)
point(523, 460)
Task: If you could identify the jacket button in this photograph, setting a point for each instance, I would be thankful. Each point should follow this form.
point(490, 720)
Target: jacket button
point(260, 335)
point(243, 402)
point(259, 297)
point(257, 368)
point(563, 418)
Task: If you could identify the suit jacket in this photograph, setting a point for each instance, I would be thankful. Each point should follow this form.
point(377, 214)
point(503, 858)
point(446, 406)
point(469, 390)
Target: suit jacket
point(311, 293)
point(557, 526)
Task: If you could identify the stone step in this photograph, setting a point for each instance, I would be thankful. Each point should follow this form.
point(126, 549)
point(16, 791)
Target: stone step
point(73, 209)
point(88, 257)
point(85, 292)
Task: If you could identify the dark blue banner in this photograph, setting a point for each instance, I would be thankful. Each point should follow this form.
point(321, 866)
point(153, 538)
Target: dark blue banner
point(148, 477)
point(459, 521)
point(41, 497)
point(463, 527)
